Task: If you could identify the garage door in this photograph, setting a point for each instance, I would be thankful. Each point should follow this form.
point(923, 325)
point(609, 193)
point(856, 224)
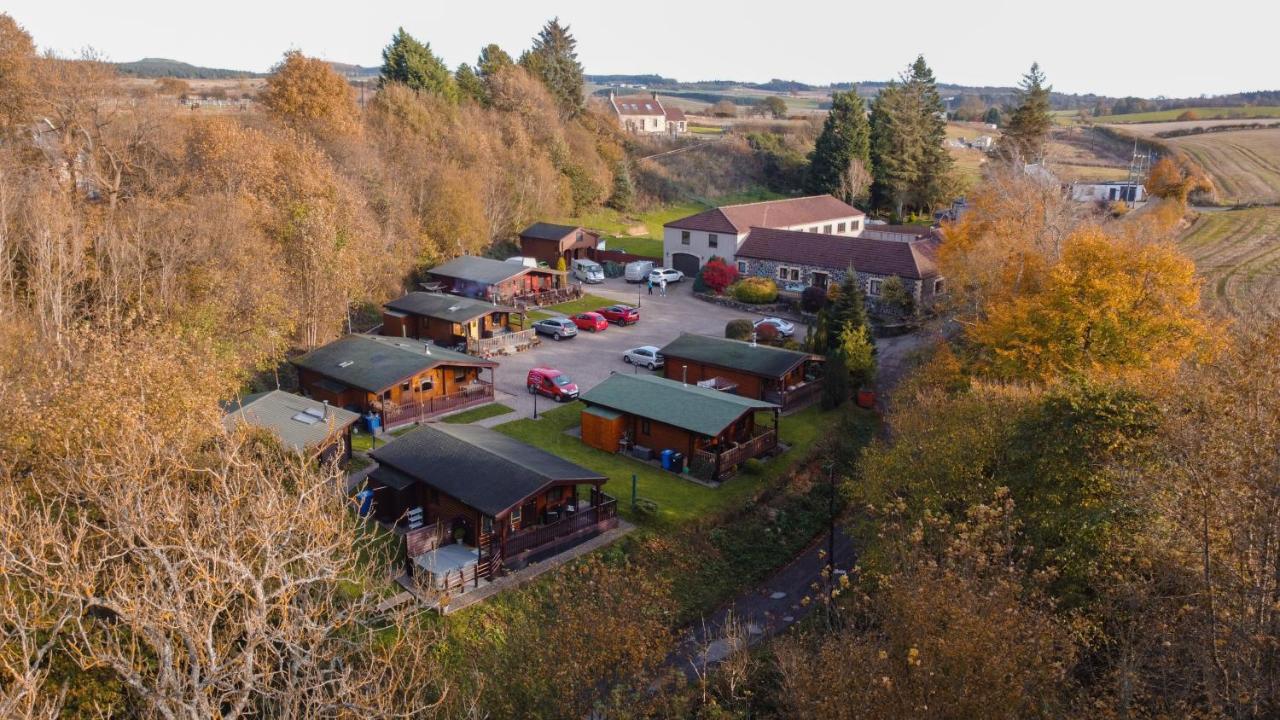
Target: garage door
point(685, 263)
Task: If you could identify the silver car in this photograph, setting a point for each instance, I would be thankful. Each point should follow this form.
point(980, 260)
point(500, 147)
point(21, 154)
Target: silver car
point(784, 328)
point(557, 328)
point(644, 356)
point(657, 275)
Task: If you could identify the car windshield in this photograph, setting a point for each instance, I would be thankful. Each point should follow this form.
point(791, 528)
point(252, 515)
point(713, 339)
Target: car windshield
point(560, 380)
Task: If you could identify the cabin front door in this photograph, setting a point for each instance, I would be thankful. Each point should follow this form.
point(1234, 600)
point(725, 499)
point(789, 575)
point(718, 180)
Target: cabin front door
point(529, 514)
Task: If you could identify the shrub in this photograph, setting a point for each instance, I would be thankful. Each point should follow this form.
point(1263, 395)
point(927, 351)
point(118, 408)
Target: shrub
point(755, 291)
point(753, 466)
point(717, 275)
point(646, 507)
point(813, 299)
point(1189, 115)
point(896, 299)
point(738, 329)
point(767, 334)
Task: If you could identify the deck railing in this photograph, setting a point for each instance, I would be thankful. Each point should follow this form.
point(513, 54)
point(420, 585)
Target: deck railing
point(542, 298)
point(704, 463)
point(799, 396)
point(405, 413)
point(605, 513)
point(502, 344)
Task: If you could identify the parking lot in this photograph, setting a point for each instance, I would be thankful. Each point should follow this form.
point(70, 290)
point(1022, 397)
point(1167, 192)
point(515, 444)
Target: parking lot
point(591, 357)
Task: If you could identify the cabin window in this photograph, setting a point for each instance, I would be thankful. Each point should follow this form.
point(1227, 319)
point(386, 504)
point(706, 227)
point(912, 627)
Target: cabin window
point(515, 519)
point(820, 280)
point(386, 394)
point(684, 237)
point(841, 227)
point(826, 229)
point(788, 273)
point(486, 525)
point(404, 386)
point(644, 427)
point(554, 494)
point(742, 267)
point(426, 384)
point(459, 375)
point(713, 240)
point(873, 287)
point(855, 226)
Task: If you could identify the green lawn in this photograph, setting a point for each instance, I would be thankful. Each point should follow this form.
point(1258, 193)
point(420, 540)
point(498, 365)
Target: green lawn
point(1203, 113)
point(678, 499)
point(647, 247)
point(478, 413)
point(363, 442)
point(582, 304)
point(615, 224)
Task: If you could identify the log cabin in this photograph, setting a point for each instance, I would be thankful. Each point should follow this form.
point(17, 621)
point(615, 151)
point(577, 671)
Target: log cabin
point(479, 501)
point(548, 243)
point(401, 380)
point(788, 378)
point(474, 326)
point(714, 431)
point(314, 429)
point(494, 280)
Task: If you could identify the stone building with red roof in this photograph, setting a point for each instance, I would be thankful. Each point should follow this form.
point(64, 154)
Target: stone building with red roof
point(646, 114)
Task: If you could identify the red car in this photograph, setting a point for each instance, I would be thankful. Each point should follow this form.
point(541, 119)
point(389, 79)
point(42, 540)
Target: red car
point(552, 383)
point(592, 321)
point(621, 314)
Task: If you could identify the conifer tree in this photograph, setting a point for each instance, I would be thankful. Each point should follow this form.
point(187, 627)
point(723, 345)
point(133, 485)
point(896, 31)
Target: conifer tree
point(895, 148)
point(492, 59)
point(554, 59)
point(469, 84)
point(1027, 130)
point(407, 60)
point(846, 136)
point(935, 160)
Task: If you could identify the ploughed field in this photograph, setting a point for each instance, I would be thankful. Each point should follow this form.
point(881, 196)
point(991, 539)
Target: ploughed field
point(1244, 164)
point(1238, 254)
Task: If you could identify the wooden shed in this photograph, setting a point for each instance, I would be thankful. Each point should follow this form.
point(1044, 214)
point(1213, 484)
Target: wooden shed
point(602, 428)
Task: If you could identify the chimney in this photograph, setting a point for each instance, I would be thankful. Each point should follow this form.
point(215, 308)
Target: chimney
point(684, 375)
point(326, 409)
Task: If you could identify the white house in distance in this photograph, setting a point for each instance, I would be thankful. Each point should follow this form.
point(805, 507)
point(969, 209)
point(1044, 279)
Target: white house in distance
point(645, 114)
point(1129, 192)
point(689, 242)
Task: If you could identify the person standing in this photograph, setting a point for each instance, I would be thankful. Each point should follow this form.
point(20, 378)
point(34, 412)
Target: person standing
point(663, 288)
point(650, 283)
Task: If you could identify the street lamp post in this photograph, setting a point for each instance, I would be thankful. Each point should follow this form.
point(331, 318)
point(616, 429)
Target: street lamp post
point(535, 404)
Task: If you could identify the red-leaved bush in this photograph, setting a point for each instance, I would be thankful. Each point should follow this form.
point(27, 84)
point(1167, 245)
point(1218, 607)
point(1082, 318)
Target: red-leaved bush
point(718, 275)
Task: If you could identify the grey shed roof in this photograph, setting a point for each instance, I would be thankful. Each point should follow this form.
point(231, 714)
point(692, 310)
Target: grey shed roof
point(299, 422)
point(548, 231)
point(485, 271)
point(735, 354)
point(374, 363)
point(453, 308)
point(689, 407)
point(480, 467)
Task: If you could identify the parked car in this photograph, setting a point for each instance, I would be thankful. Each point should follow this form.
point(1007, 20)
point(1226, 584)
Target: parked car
point(638, 270)
point(592, 321)
point(621, 314)
point(784, 328)
point(670, 274)
point(588, 271)
point(645, 356)
point(557, 328)
point(552, 383)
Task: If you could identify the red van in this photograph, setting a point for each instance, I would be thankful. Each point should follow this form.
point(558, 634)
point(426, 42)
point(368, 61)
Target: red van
point(552, 383)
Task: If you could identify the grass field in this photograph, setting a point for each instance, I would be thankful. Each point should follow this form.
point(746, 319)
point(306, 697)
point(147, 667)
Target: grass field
point(649, 247)
point(678, 500)
point(479, 413)
point(582, 304)
point(1204, 113)
point(1238, 254)
point(1244, 164)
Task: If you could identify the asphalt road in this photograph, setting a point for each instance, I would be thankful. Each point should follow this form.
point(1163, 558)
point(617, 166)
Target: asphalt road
point(589, 358)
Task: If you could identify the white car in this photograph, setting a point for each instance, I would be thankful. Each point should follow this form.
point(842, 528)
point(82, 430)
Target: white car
point(644, 356)
point(784, 328)
point(657, 275)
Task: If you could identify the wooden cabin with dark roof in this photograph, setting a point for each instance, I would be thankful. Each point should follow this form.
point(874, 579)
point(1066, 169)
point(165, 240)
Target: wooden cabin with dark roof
point(404, 381)
point(477, 327)
point(495, 280)
point(714, 432)
point(472, 501)
point(788, 378)
point(548, 242)
point(309, 427)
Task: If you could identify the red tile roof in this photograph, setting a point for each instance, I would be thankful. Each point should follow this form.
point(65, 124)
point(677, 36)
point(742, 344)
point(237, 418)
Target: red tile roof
point(915, 260)
point(674, 114)
point(737, 219)
point(637, 105)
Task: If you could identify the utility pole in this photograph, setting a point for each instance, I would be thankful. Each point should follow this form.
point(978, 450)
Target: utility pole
point(831, 514)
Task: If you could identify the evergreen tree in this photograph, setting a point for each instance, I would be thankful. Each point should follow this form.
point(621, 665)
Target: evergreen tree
point(469, 85)
point(492, 59)
point(992, 117)
point(846, 310)
point(846, 136)
point(624, 190)
point(554, 59)
point(895, 149)
point(1027, 129)
point(835, 380)
point(411, 62)
point(936, 163)
point(858, 353)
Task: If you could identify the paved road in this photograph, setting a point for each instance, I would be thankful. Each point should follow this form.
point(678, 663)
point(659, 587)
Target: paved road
point(590, 357)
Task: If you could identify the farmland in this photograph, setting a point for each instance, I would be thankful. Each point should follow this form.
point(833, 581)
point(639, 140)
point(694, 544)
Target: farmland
point(1238, 254)
point(1203, 113)
point(1244, 164)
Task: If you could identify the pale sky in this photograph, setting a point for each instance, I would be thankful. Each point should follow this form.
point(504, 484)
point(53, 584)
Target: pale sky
point(1130, 47)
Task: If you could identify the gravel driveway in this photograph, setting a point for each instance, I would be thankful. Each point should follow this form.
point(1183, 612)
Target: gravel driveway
point(590, 357)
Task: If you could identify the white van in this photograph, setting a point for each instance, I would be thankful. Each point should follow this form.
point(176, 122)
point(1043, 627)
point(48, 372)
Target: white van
point(638, 270)
point(588, 271)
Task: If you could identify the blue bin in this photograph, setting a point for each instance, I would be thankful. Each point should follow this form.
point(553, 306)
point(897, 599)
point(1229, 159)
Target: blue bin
point(365, 498)
point(373, 422)
point(666, 459)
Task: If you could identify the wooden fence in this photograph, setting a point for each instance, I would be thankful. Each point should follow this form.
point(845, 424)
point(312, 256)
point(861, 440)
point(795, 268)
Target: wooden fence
point(803, 395)
point(605, 513)
point(502, 344)
point(404, 414)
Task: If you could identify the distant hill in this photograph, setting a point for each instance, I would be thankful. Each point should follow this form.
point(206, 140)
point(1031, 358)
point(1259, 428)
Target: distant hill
point(162, 67)
point(354, 71)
